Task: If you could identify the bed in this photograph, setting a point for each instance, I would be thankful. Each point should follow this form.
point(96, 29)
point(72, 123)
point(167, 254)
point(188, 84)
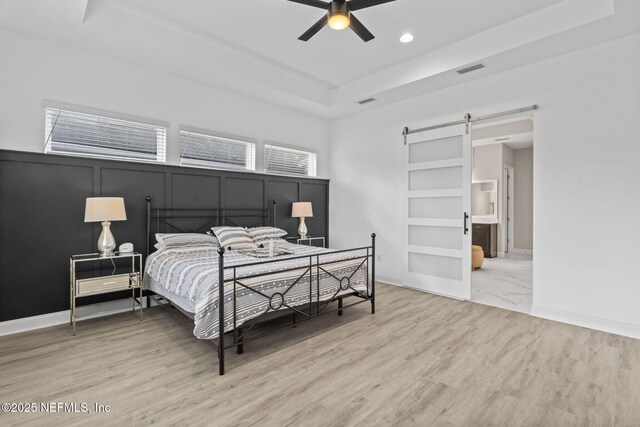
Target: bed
point(302, 282)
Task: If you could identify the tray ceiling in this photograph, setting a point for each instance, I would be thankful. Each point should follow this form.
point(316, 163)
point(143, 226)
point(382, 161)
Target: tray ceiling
point(250, 46)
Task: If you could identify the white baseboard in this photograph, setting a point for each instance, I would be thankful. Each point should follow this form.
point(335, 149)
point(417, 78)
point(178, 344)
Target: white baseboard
point(433, 293)
point(62, 317)
point(395, 282)
point(388, 281)
point(586, 321)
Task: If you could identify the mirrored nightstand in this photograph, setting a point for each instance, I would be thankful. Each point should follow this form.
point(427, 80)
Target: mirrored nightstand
point(84, 283)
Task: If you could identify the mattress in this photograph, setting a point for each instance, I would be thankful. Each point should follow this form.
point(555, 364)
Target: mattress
point(188, 277)
point(185, 304)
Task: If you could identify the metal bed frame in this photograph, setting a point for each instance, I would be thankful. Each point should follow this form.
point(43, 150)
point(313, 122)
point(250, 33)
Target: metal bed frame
point(276, 303)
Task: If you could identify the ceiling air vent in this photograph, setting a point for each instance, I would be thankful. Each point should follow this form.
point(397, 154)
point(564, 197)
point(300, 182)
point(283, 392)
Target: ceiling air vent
point(366, 101)
point(470, 69)
point(501, 139)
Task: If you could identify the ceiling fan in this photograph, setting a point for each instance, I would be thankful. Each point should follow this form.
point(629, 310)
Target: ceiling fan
point(339, 16)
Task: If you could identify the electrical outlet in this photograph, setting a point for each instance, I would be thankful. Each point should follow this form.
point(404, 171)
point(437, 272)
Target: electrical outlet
point(379, 258)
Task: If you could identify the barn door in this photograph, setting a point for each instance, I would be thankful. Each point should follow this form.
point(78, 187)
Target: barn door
point(437, 217)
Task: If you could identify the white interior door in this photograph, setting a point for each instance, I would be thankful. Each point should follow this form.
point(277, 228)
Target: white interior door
point(437, 217)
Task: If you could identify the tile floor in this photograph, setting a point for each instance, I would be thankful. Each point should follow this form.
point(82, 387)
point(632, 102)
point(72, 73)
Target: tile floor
point(504, 282)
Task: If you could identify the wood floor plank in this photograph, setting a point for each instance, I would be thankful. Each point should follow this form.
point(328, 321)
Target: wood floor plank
point(420, 360)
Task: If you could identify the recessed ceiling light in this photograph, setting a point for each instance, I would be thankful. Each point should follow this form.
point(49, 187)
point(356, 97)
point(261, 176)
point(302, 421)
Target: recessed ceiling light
point(406, 38)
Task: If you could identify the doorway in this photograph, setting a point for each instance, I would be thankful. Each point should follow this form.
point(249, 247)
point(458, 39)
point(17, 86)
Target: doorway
point(437, 205)
point(503, 155)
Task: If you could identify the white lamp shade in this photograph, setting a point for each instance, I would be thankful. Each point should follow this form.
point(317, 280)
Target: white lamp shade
point(100, 209)
point(301, 210)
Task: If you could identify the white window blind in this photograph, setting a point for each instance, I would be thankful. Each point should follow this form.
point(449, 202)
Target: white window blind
point(70, 132)
point(211, 151)
point(287, 161)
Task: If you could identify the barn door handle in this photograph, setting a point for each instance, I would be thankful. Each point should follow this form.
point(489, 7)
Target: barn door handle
point(466, 218)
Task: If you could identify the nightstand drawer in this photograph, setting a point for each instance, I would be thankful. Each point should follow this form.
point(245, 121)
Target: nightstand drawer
point(98, 285)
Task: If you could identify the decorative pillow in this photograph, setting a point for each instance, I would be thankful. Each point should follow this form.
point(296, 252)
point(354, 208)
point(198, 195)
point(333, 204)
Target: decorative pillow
point(261, 235)
point(177, 240)
point(234, 238)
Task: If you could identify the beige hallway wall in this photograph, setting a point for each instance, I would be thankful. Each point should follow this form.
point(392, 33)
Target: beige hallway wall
point(523, 199)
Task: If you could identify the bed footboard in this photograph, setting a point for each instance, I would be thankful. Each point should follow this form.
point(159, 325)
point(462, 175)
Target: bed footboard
point(318, 305)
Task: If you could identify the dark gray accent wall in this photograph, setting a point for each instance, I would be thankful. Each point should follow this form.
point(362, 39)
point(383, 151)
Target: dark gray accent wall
point(42, 212)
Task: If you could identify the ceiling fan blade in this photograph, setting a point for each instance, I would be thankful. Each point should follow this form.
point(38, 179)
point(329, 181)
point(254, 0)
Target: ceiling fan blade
point(363, 4)
point(314, 3)
point(314, 29)
point(360, 29)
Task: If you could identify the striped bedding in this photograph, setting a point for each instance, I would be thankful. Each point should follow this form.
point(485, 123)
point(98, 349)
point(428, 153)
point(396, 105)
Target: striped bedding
point(191, 273)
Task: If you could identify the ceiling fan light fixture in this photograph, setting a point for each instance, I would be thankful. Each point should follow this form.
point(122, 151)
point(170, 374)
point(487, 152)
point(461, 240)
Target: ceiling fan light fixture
point(339, 20)
point(338, 16)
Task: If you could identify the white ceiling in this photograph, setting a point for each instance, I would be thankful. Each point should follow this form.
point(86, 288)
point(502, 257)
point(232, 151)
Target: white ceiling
point(516, 134)
point(515, 141)
point(251, 47)
point(271, 28)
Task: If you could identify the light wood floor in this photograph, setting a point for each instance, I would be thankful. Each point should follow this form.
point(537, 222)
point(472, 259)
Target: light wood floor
point(421, 360)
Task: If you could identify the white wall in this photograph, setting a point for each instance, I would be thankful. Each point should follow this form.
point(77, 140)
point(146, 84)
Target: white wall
point(585, 170)
point(508, 155)
point(523, 199)
point(487, 162)
point(34, 70)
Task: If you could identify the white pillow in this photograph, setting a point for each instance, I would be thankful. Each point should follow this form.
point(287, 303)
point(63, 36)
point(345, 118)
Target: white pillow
point(262, 235)
point(234, 238)
point(177, 240)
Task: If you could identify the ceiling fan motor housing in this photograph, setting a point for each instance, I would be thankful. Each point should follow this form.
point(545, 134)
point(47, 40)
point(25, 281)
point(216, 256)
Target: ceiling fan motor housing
point(338, 7)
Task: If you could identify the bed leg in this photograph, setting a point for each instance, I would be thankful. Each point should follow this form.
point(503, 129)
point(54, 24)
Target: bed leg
point(340, 306)
point(221, 309)
point(221, 360)
point(293, 317)
point(240, 346)
point(148, 301)
point(373, 273)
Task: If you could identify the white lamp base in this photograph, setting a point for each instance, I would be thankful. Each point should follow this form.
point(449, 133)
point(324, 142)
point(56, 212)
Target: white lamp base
point(302, 229)
point(106, 241)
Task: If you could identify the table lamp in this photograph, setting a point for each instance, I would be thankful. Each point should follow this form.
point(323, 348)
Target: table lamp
point(302, 210)
point(105, 210)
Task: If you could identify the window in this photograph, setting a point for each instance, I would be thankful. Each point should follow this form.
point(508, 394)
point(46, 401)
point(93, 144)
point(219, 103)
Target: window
point(287, 161)
point(210, 151)
point(70, 132)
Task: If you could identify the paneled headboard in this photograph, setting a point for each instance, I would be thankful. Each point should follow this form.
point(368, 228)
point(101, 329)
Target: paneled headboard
point(42, 220)
point(185, 220)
